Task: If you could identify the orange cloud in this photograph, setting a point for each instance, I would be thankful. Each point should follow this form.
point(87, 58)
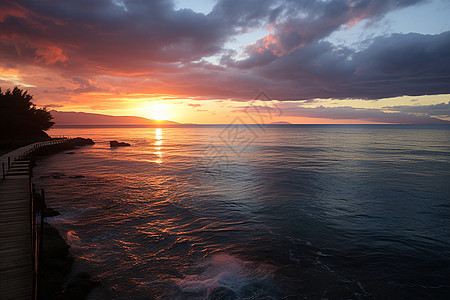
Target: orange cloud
point(267, 43)
point(50, 55)
point(13, 10)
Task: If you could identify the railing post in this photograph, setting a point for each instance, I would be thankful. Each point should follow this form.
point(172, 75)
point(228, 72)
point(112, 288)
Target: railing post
point(34, 267)
point(33, 210)
point(9, 162)
point(3, 170)
point(41, 234)
point(32, 221)
point(41, 246)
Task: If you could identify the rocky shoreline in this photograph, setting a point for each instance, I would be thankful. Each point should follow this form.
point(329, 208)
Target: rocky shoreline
point(55, 261)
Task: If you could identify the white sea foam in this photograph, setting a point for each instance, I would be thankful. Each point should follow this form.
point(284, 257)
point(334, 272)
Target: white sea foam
point(227, 277)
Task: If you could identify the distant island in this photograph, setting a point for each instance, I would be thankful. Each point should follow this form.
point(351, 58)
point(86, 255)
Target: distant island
point(63, 118)
point(281, 123)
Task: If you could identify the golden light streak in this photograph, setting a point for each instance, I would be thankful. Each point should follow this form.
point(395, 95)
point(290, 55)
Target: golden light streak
point(158, 144)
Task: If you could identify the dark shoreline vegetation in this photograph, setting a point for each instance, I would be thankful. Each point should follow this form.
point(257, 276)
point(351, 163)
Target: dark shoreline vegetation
point(20, 118)
point(21, 122)
point(56, 261)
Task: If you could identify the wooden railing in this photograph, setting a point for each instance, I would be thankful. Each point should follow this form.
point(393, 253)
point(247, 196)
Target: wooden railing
point(8, 159)
point(40, 145)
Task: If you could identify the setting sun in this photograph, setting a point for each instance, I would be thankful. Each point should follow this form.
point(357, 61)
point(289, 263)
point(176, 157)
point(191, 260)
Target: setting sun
point(158, 112)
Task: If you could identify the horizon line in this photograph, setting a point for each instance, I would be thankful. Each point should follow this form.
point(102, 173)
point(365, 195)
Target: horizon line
point(242, 124)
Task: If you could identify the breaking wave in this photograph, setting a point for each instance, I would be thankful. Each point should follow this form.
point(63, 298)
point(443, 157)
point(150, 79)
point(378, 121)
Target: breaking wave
point(224, 276)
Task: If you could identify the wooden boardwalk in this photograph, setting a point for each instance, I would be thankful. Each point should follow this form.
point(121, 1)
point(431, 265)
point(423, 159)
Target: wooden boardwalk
point(16, 239)
point(8, 159)
point(18, 260)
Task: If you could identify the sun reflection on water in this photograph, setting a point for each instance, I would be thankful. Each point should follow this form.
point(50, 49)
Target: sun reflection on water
point(158, 134)
point(158, 144)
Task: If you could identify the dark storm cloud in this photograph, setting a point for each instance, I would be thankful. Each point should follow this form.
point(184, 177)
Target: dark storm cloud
point(124, 36)
point(135, 36)
point(154, 48)
point(300, 23)
point(244, 14)
point(350, 113)
point(374, 115)
point(401, 64)
point(441, 109)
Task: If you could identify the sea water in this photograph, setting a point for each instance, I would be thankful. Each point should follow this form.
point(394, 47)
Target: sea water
point(257, 212)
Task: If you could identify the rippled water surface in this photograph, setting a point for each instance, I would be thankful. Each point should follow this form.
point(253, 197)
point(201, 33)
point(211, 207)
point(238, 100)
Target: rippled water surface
point(282, 212)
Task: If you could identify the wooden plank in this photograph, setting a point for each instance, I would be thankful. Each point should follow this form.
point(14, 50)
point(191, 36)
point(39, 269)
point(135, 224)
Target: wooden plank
point(16, 276)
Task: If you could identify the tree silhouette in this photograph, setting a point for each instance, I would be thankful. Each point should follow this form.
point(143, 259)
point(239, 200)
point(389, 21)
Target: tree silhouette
point(20, 118)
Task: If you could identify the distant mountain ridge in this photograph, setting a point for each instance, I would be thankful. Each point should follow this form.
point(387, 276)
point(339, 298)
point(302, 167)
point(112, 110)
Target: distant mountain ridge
point(81, 118)
point(281, 123)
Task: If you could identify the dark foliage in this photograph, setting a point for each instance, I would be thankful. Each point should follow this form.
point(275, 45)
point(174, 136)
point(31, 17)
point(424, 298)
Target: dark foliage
point(20, 118)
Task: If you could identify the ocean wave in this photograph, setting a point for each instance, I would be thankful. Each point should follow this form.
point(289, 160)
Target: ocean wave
point(224, 276)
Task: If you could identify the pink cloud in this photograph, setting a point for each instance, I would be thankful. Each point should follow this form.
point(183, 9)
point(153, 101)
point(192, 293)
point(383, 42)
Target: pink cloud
point(50, 55)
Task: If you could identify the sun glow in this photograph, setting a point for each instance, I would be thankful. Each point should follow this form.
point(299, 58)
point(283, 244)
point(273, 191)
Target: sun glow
point(158, 112)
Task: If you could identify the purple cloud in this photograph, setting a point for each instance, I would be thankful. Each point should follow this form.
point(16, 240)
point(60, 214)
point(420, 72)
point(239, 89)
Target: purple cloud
point(351, 113)
point(150, 47)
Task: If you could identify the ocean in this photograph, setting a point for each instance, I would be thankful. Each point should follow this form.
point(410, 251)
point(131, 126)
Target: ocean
point(256, 212)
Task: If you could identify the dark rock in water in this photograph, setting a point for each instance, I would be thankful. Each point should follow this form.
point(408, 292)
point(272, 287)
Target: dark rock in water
point(77, 176)
point(52, 283)
point(61, 265)
point(70, 152)
point(54, 245)
point(55, 263)
point(118, 144)
point(222, 293)
point(56, 175)
point(80, 286)
point(82, 141)
point(49, 212)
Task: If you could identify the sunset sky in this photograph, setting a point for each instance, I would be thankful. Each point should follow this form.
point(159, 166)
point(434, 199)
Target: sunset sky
point(324, 61)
